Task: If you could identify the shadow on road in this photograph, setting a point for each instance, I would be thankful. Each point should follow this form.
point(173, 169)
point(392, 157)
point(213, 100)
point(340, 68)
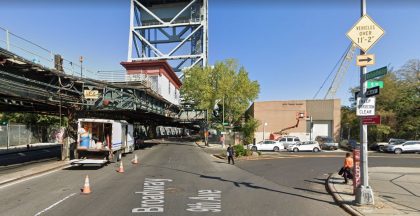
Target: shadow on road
point(84, 167)
point(239, 184)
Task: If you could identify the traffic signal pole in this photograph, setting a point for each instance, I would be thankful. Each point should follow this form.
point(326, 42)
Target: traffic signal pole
point(364, 193)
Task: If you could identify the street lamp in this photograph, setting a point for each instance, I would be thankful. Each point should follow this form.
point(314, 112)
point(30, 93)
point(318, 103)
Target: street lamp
point(265, 124)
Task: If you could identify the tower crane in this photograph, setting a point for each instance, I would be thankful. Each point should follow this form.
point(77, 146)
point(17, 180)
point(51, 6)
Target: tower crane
point(342, 70)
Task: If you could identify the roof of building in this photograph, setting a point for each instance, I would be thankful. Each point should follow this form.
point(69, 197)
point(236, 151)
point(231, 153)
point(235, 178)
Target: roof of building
point(145, 66)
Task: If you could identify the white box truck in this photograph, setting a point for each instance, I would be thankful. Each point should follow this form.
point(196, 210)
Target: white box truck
point(102, 140)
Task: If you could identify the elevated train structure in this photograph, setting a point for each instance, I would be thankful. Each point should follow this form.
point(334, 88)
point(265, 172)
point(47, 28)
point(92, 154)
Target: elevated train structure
point(165, 38)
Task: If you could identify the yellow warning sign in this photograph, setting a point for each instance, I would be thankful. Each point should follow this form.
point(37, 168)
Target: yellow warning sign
point(365, 33)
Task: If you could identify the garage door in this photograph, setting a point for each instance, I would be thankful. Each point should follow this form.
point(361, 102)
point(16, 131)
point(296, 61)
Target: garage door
point(320, 130)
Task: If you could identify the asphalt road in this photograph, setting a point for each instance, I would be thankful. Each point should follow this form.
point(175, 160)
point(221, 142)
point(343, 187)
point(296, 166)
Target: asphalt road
point(193, 183)
point(181, 179)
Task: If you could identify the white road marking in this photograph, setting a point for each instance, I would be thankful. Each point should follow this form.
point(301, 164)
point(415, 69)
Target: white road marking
point(153, 199)
point(29, 178)
point(210, 201)
point(51, 206)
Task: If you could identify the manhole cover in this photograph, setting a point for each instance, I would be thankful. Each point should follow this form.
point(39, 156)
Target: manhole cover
point(173, 190)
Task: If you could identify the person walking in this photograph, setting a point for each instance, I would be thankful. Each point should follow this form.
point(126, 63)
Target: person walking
point(230, 154)
point(347, 168)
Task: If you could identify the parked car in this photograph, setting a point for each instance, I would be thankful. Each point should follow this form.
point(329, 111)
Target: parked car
point(352, 144)
point(326, 142)
point(382, 146)
point(408, 146)
point(267, 145)
point(289, 140)
point(305, 146)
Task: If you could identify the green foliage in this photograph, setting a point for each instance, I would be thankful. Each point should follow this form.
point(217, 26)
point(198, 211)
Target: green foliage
point(248, 129)
point(398, 104)
point(226, 84)
point(33, 119)
point(241, 151)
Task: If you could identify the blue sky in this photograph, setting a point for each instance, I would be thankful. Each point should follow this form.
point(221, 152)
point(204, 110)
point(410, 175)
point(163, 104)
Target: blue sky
point(288, 46)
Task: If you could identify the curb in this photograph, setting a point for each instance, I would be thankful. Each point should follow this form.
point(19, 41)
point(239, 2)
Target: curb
point(331, 190)
point(34, 174)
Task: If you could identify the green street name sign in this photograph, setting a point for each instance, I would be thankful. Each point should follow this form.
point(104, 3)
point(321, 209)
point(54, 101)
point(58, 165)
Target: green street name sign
point(371, 84)
point(225, 123)
point(376, 73)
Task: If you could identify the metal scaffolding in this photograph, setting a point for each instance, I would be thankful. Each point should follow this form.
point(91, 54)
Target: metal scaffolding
point(176, 31)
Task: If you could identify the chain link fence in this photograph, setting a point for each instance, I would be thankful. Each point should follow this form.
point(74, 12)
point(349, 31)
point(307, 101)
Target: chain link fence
point(15, 135)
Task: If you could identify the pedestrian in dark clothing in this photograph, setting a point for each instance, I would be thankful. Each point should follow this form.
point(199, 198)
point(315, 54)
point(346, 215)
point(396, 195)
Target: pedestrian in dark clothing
point(230, 154)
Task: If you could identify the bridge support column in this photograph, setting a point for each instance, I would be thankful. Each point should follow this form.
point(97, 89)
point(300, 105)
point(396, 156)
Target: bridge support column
point(68, 150)
point(151, 131)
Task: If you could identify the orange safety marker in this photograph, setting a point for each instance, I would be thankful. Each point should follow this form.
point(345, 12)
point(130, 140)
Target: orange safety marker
point(135, 160)
point(121, 169)
point(86, 187)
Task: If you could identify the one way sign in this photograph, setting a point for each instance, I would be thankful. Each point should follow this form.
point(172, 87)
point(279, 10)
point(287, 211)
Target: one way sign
point(365, 60)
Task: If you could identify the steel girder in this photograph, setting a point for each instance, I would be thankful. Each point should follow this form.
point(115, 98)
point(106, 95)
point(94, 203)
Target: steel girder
point(34, 88)
point(176, 31)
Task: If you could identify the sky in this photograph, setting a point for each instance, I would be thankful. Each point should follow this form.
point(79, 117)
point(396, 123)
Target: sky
point(289, 47)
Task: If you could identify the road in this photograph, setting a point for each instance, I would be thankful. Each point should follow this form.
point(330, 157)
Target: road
point(182, 179)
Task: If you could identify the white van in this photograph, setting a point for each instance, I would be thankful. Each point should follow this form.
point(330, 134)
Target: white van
point(289, 140)
point(102, 140)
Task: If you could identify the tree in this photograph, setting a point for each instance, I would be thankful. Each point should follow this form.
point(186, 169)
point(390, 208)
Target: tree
point(248, 129)
point(397, 104)
point(225, 85)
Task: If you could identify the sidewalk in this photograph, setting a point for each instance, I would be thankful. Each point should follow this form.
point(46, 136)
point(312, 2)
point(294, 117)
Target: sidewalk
point(32, 171)
point(396, 192)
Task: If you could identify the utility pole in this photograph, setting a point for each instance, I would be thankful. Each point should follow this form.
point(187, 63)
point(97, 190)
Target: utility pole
point(310, 128)
point(364, 193)
point(223, 111)
point(81, 66)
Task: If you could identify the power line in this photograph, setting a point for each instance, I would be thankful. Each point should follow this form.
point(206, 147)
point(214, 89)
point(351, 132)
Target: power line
point(333, 70)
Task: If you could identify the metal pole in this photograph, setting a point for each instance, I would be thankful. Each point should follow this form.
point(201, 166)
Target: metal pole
point(7, 40)
point(223, 116)
point(348, 131)
point(310, 128)
point(207, 128)
point(81, 66)
point(263, 131)
point(8, 135)
point(364, 193)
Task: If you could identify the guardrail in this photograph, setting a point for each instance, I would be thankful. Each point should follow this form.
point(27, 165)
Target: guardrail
point(122, 76)
point(40, 55)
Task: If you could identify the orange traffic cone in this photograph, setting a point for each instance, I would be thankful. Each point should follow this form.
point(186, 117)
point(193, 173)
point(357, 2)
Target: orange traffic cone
point(121, 169)
point(86, 187)
point(135, 161)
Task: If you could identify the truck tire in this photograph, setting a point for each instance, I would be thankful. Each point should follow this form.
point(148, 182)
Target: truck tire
point(117, 156)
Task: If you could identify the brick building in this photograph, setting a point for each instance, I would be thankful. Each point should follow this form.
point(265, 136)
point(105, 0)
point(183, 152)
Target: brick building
point(279, 115)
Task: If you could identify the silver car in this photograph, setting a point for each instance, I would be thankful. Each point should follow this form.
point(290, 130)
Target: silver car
point(409, 146)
